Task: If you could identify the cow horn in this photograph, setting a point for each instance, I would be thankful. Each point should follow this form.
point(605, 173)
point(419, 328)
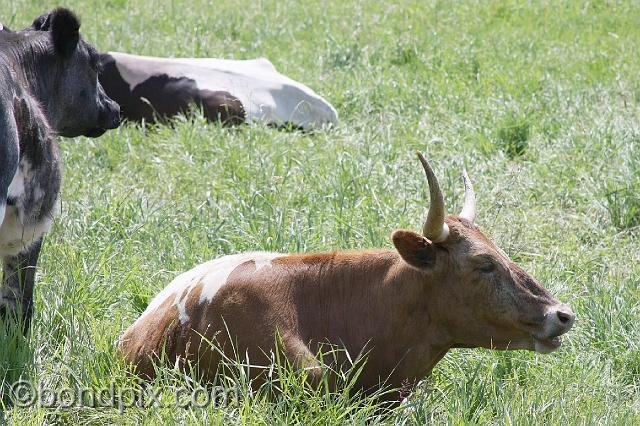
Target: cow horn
point(469, 209)
point(434, 228)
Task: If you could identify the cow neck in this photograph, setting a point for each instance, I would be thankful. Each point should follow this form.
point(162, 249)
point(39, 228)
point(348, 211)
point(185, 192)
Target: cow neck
point(376, 303)
point(30, 67)
point(416, 328)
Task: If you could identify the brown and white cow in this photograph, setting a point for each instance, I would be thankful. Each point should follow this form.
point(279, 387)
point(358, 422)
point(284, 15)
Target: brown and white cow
point(230, 91)
point(449, 287)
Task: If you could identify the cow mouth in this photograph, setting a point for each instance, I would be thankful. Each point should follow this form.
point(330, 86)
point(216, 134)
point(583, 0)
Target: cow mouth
point(546, 345)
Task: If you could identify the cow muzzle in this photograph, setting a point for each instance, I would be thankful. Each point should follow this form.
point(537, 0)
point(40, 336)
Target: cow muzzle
point(108, 118)
point(110, 115)
point(557, 321)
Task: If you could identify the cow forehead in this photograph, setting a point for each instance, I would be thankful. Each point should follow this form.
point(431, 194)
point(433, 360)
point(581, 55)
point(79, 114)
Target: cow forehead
point(472, 239)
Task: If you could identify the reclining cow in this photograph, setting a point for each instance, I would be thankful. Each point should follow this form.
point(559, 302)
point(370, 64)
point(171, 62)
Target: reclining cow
point(449, 287)
point(229, 91)
point(48, 87)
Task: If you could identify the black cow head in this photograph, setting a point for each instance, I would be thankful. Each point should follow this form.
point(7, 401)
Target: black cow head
point(67, 78)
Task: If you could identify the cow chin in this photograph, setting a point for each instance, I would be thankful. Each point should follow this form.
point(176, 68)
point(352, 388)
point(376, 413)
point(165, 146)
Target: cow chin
point(546, 346)
point(94, 133)
point(74, 132)
point(537, 344)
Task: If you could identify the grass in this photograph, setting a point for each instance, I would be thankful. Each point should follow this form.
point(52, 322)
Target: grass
point(513, 136)
point(470, 84)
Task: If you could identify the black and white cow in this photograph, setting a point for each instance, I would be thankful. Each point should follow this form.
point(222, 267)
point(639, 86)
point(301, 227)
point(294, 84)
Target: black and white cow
point(231, 91)
point(48, 87)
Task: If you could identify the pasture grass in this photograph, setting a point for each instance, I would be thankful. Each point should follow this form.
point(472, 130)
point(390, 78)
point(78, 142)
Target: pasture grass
point(538, 101)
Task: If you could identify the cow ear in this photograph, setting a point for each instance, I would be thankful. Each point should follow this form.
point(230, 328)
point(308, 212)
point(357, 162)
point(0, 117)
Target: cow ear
point(415, 249)
point(41, 23)
point(65, 31)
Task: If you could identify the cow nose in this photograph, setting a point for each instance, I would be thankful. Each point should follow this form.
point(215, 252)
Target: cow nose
point(563, 318)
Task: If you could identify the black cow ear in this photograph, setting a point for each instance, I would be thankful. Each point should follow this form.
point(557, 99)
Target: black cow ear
point(41, 23)
point(415, 249)
point(65, 31)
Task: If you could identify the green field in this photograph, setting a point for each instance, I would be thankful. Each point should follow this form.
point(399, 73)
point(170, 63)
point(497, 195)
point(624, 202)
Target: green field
point(540, 103)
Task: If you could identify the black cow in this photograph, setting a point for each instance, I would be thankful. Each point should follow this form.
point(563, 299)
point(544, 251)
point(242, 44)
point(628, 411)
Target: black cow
point(48, 86)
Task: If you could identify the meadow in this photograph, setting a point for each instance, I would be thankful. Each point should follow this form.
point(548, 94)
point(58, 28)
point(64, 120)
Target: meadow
point(539, 101)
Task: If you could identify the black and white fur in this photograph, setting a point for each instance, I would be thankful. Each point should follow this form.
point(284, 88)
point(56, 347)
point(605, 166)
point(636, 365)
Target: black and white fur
point(48, 87)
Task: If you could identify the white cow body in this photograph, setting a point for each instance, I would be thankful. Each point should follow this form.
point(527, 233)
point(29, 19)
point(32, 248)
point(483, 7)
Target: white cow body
point(266, 95)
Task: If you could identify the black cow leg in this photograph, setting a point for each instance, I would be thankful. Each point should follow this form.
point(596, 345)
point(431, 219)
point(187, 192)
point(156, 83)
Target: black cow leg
point(16, 297)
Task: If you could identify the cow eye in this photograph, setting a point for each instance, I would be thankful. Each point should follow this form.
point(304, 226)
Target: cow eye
point(487, 267)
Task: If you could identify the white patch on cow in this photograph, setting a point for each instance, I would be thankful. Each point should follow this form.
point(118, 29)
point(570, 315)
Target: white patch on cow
point(16, 233)
point(263, 263)
point(266, 95)
point(213, 275)
point(3, 208)
point(15, 236)
point(182, 306)
point(16, 187)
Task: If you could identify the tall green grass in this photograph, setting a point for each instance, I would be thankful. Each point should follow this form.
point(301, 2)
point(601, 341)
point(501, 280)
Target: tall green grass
point(538, 101)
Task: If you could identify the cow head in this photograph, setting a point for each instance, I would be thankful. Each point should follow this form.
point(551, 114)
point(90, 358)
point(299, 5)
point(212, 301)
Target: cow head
point(66, 76)
point(483, 298)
